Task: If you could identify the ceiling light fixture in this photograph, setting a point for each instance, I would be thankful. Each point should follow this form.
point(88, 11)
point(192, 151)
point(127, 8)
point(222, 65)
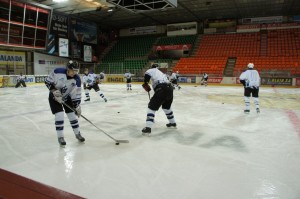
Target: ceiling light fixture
point(96, 3)
point(110, 10)
point(60, 1)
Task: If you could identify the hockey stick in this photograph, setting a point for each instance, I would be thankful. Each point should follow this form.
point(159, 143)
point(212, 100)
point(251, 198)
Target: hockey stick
point(117, 141)
point(149, 95)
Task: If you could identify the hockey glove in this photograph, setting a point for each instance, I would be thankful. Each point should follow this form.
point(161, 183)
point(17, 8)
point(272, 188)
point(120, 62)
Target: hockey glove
point(243, 82)
point(78, 111)
point(146, 87)
point(57, 96)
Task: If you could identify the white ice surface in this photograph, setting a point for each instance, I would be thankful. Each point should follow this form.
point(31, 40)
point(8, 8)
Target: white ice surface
point(216, 152)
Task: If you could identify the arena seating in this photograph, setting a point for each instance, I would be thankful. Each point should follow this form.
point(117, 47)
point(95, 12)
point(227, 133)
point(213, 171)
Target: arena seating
point(120, 67)
point(130, 48)
point(213, 65)
point(283, 53)
point(176, 40)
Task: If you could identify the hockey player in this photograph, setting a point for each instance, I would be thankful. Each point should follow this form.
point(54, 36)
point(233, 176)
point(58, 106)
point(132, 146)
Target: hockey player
point(102, 76)
point(64, 85)
point(128, 76)
point(204, 79)
point(163, 96)
point(251, 81)
point(21, 81)
point(91, 81)
point(174, 80)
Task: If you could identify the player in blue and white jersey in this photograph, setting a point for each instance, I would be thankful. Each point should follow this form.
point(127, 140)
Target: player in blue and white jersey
point(64, 85)
point(21, 80)
point(163, 96)
point(204, 79)
point(251, 81)
point(91, 81)
point(174, 80)
point(128, 76)
point(102, 77)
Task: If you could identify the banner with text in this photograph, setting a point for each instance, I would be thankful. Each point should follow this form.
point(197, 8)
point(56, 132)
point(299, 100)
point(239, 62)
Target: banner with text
point(59, 25)
point(257, 27)
point(59, 29)
point(277, 81)
point(115, 78)
point(143, 30)
point(187, 79)
point(173, 47)
point(216, 80)
point(12, 58)
point(189, 28)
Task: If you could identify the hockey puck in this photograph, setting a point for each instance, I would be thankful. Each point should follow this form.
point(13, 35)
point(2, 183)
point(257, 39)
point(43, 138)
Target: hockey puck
point(118, 112)
point(117, 143)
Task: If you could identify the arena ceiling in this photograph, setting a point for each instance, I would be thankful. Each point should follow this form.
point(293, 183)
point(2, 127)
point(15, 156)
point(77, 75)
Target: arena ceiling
point(186, 11)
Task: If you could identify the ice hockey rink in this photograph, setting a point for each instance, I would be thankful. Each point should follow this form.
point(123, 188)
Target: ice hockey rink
point(215, 152)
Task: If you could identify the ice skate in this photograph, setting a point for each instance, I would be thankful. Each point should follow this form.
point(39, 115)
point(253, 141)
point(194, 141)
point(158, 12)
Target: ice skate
point(246, 111)
point(171, 125)
point(61, 141)
point(88, 99)
point(257, 110)
point(146, 131)
point(79, 137)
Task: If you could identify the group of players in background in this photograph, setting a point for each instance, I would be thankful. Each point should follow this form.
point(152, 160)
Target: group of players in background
point(64, 86)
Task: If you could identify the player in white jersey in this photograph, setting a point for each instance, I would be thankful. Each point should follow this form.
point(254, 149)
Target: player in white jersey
point(102, 76)
point(204, 79)
point(251, 81)
point(163, 96)
point(128, 76)
point(91, 81)
point(21, 80)
point(174, 80)
point(64, 85)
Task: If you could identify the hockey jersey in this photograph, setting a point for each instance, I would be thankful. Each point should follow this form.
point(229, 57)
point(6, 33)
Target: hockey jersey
point(90, 79)
point(21, 78)
point(156, 76)
point(68, 86)
point(127, 75)
point(251, 78)
point(102, 75)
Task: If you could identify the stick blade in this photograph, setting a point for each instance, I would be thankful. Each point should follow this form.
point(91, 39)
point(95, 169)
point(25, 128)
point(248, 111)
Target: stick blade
point(123, 141)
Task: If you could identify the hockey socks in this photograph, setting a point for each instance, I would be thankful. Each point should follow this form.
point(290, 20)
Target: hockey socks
point(170, 116)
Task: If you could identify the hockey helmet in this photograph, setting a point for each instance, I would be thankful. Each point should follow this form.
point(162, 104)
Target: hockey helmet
point(154, 66)
point(250, 65)
point(73, 65)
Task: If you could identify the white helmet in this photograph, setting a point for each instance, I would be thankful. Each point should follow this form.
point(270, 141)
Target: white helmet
point(250, 65)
